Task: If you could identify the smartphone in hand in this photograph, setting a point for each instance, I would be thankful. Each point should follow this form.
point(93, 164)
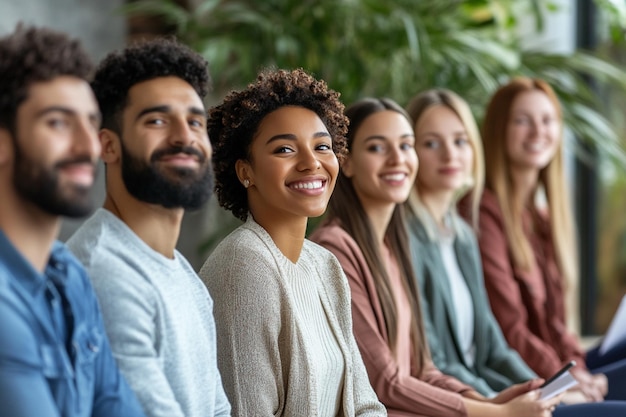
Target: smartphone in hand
point(558, 373)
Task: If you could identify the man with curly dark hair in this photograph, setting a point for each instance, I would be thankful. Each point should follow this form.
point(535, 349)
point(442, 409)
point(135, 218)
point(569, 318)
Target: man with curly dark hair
point(157, 154)
point(55, 358)
point(285, 342)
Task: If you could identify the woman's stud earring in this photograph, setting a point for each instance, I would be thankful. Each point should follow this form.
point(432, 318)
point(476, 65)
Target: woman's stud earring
point(246, 183)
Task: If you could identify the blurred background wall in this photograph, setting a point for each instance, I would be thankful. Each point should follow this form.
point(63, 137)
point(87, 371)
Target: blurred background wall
point(102, 28)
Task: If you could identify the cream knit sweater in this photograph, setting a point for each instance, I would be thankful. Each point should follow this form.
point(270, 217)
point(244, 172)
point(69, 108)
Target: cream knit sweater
point(264, 359)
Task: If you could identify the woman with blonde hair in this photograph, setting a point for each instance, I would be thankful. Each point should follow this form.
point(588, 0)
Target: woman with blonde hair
point(527, 237)
point(464, 337)
point(365, 229)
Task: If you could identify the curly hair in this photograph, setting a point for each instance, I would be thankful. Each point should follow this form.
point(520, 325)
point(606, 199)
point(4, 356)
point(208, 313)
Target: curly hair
point(30, 55)
point(233, 123)
point(143, 61)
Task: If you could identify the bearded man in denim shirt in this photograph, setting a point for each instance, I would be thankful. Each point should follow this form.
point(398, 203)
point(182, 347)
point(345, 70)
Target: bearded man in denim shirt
point(55, 359)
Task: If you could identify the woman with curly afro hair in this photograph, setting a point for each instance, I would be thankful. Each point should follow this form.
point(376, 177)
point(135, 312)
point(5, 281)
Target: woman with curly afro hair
point(282, 303)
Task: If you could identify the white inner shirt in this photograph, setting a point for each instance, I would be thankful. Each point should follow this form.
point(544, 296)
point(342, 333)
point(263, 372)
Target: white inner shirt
point(462, 303)
point(323, 345)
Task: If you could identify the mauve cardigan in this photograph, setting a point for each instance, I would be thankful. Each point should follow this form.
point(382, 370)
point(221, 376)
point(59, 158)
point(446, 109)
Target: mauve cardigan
point(431, 394)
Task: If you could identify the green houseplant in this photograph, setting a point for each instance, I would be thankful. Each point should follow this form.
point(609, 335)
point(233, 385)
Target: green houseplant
point(395, 48)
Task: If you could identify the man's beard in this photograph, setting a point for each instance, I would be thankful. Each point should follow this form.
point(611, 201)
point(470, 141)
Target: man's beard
point(41, 186)
point(177, 188)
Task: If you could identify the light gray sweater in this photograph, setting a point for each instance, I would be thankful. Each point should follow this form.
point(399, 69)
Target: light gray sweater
point(264, 358)
point(158, 316)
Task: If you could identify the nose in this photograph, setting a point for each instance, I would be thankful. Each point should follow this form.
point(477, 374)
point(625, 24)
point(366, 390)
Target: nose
point(448, 150)
point(536, 128)
point(180, 132)
point(308, 161)
point(396, 156)
point(86, 141)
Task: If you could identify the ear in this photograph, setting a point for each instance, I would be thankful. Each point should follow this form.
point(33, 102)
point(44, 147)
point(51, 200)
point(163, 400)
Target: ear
point(6, 147)
point(346, 167)
point(111, 146)
point(244, 171)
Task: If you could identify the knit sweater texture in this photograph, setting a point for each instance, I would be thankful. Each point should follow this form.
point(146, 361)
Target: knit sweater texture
point(158, 316)
point(264, 357)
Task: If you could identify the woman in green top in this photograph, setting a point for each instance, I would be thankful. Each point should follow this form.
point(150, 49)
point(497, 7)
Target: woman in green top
point(463, 335)
point(464, 338)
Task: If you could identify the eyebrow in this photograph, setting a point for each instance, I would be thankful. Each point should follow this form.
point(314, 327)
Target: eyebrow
point(380, 137)
point(291, 136)
point(96, 117)
point(51, 109)
point(439, 134)
point(167, 109)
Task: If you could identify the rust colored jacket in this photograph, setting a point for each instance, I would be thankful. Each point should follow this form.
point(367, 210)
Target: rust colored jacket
point(528, 304)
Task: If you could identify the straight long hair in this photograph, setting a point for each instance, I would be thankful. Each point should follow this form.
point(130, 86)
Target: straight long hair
point(552, 179)
point(346, 207)
point(446, 98)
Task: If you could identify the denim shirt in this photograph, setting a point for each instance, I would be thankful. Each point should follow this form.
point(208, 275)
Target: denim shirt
point(55, 359)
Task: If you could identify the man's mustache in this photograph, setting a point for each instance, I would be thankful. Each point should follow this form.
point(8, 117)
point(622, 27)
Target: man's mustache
point(79, 160)
point(174, 150)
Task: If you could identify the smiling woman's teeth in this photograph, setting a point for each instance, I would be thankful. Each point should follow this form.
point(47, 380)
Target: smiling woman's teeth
point(535, 146)
point(307, 185)
point(394, 177)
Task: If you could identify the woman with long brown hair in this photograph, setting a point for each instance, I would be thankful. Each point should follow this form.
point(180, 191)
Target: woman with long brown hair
point(365, 229)
point(527, 237)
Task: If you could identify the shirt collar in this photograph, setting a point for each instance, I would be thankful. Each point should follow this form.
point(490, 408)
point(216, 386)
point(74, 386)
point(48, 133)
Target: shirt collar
point(23, 271)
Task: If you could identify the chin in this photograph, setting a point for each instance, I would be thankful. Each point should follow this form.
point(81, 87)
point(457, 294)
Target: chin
point(316, 213)
point(538, 164)
point(400, 198)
